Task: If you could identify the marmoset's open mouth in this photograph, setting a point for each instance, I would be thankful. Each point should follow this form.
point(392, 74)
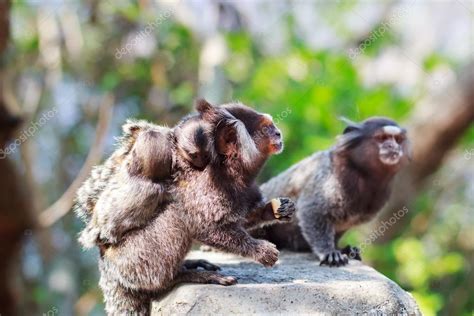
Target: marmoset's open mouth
point(390, 157)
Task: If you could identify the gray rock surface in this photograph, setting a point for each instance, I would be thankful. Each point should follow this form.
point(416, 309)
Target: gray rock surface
point(297, 285)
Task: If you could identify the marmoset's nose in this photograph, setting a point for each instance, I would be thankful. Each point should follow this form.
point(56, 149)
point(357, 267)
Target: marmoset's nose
point(392, 145)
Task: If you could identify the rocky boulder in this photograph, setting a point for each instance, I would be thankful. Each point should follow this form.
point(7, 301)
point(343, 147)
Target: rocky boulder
point(297, 285)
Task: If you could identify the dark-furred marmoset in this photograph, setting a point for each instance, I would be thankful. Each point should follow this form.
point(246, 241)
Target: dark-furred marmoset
point(212, 205)
point(339, 188)
point(127, 190)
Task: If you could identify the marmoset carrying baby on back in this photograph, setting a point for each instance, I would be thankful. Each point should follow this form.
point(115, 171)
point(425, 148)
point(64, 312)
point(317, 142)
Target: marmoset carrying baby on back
point(212, 204)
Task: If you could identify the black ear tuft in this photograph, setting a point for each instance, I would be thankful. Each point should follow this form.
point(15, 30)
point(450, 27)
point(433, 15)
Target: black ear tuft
point(351, 126)
point(349, 129)
point(202, 106)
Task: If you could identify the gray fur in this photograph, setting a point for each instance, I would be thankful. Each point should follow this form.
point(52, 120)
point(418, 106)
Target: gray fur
point(90, 191)
point(126, 191)
point(335, 190)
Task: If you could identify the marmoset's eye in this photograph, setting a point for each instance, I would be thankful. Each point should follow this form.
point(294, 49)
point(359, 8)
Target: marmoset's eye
point(382, 137)
point(399, 139)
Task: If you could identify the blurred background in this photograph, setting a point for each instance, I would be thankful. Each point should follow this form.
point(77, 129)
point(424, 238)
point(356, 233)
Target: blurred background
point(71, 72)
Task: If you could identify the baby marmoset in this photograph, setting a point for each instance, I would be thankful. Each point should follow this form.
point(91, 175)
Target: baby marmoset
point(126, 191)
point(209, 205)
point(337, 189)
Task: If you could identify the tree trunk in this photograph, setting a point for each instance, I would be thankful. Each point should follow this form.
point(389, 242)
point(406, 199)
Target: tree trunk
point(435, 127)
point(15, 210)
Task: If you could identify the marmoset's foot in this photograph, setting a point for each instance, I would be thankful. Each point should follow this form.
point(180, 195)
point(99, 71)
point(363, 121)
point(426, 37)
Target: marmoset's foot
point(334, 259)
point(200, 263)
point(352, 252)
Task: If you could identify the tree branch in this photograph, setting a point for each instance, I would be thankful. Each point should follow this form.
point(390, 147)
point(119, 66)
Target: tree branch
point(62, 206)
point(434, 129)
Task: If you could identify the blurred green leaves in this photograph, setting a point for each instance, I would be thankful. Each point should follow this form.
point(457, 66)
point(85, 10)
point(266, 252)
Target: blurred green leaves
point(318, 86)
point(305, 90)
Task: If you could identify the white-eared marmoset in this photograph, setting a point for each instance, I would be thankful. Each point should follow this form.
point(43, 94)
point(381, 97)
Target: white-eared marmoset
point(337, 189)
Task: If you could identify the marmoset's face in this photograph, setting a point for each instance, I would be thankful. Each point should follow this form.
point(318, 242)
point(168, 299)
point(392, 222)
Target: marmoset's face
point(377, 144)
point(390, 141)
point(270, 135)
point(261, 128)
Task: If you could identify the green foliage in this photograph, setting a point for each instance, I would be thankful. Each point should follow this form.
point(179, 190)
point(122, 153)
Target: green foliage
point(311, 88)
point(305, 90)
